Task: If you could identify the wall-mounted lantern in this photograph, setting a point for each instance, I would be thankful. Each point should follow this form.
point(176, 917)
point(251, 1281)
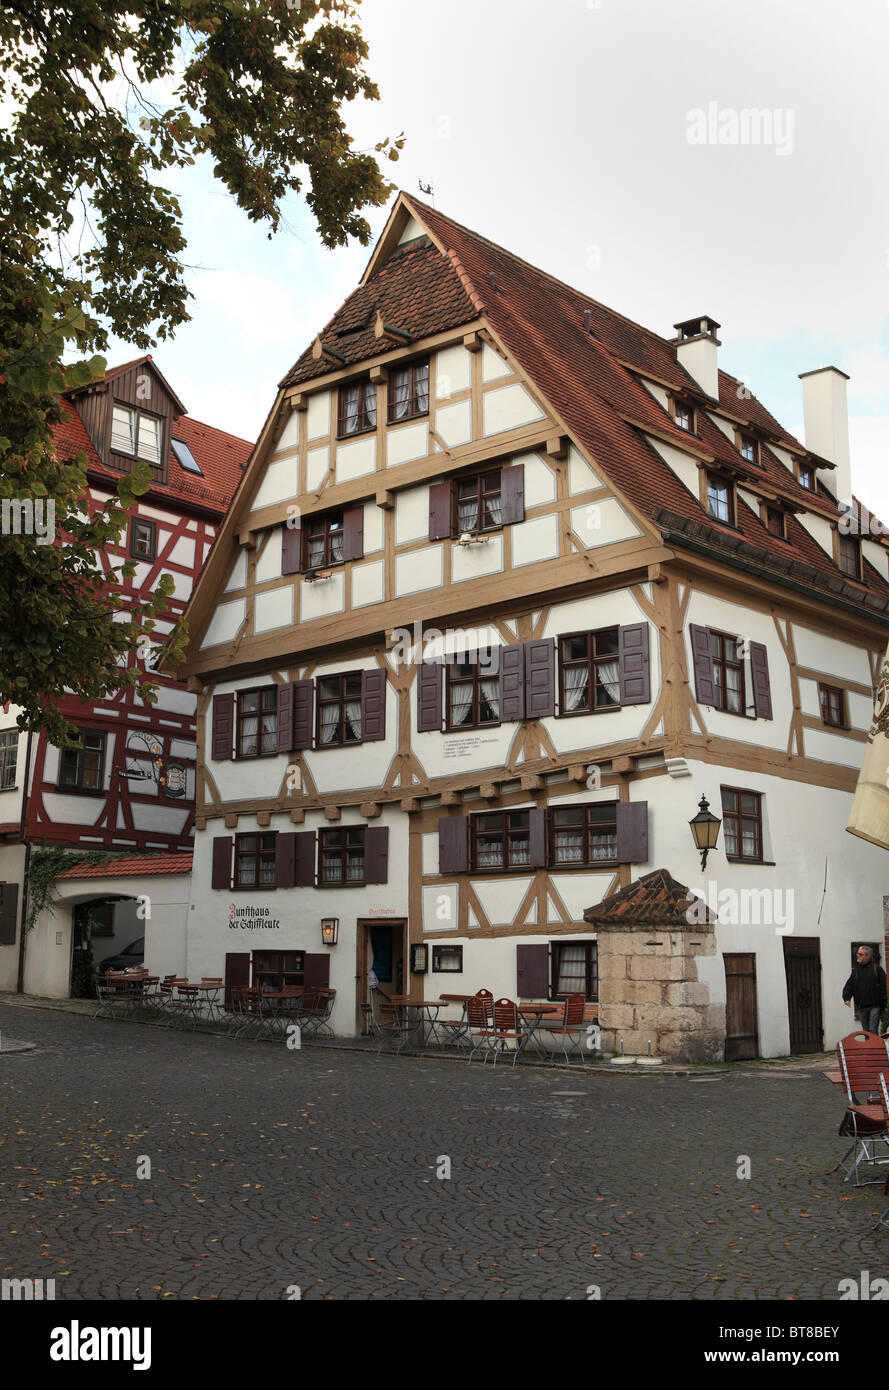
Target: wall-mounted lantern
point(705, 829)
point(330, 930)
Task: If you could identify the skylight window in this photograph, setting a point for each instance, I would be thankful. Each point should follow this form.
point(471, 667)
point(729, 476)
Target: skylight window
point(186, 458)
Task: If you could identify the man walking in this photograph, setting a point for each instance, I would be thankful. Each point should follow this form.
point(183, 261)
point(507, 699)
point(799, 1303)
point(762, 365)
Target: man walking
point(867, 986)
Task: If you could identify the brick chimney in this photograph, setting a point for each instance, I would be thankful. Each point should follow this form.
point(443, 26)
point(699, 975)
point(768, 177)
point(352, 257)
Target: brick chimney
point(697, 350)
point(827, 425)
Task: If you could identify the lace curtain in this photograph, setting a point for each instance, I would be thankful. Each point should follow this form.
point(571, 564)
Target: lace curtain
point(576, 685)
point(490, 694)
point(401, 395)
point(461, 702)
point(608, 679)
point(353, 719)
point(330, 722)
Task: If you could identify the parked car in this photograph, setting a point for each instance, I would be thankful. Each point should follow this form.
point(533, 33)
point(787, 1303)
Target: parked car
point(131, 955)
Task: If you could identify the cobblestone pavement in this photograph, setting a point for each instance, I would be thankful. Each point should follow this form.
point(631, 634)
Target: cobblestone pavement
point(322, 1169)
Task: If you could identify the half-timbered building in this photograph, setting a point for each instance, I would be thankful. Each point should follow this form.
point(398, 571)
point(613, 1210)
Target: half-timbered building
point(510, 585)
point(129, 784)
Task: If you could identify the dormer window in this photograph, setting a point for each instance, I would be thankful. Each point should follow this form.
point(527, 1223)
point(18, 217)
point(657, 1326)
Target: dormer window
point(136, 434)
point(720, 499)
point(357, 408)
point(849, 555)
point(747, 447)
point(684, 416)
point(776, 522)
point(409, 392)
point(806, 477)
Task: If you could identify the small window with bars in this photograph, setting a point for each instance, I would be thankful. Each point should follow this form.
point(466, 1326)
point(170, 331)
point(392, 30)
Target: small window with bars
point(257, 722)
point(742, 824)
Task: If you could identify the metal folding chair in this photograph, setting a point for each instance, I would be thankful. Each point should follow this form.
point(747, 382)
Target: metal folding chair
point(863, 1057)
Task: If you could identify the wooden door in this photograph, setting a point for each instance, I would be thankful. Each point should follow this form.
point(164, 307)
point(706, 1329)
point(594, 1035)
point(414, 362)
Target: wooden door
point(802, 966)
point(741, 1031)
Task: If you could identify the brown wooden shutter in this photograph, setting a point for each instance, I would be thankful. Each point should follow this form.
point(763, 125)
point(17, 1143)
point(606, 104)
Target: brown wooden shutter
point(762, 691)
point(222, 861)
point(285, 860)
point(632, 832)
point(429, 697)
point(512, 682)
point(9, 898)
point(291, 550)
point(304, 859)
point(373, 706)
point(705, 686)
point(376, 854)
point(316, 970)
point(540, 680)
point(285, 717)
point(635, 677)
point(223, 726)
point(532, 971)
point(440, 511)
point(237, 973)
point(353, 533)
point(303, 714)
point(453, 845)
point(512, 494)
point(537, 819)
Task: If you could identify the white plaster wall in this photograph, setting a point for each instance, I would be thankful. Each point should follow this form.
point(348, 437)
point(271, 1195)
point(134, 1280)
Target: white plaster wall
point(407, 442)
point(298, 910)
point(279, 482)
point(356, 458)
point(475, 561)
point(412, 230)
point(809, 701)
point(453, 423)
point(368, 584)
point(877, 556)
point(860, 710)
point(782, 456)
point(819, 529)
point(224, 625)
point(535, 540)
point(602, 523)
point(832, 748)
point(420, 569)
point(317, 465)
point(660, 395)
point(182, 553)
point(273, 609)
point(540, 480)
point(738, 621)
point(323, 598)
point(453, 372)
point(493, 365)
point(412, 515)
point(290, 433)
point(830, 655)
point(374, 522)
point(76, 810)
point(581, 476)
point(268, 564)
point(683, 465)
point(237, 577)
point(318, 415)
point(507, 408)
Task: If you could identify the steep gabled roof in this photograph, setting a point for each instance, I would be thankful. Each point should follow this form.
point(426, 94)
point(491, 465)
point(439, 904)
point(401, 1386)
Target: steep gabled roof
point(590, 379)
point(221, 457)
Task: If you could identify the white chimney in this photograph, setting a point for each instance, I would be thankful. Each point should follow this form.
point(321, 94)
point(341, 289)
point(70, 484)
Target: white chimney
point(697, 350)
point(827, 425)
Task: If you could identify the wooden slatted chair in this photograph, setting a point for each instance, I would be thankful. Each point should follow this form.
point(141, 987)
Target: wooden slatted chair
point(884, 1101)
point(507, 1028)
point(569, 1031)
point(863, 1057)
point(480, 1017)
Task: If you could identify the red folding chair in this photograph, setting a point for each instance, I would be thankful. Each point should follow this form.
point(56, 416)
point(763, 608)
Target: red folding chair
point(863, 1057)
point(480, 1017)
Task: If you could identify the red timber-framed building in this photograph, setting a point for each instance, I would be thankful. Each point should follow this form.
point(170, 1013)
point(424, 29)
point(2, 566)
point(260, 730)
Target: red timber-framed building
point(131, 784)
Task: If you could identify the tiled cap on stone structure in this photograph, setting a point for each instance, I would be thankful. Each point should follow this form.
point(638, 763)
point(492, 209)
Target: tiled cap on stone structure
point(656, 899)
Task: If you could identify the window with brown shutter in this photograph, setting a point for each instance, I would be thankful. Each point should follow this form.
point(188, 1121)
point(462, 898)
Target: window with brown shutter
point(583, 835)
point(322, 540)
point(9, 897)
point(575, 969)
point(255, 861)
point(223, 846)
point(473, 690)
point(339, 701)
point(833, 705)
point(429, 696)
point(532, 971)
point(742, 824)
point(477, 502)
point(257, 734)
point(341, 856)
point(501, 840)
point(357, 411)
point(589, 671)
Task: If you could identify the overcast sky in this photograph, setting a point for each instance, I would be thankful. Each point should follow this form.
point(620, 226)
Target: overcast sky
point(567, 133)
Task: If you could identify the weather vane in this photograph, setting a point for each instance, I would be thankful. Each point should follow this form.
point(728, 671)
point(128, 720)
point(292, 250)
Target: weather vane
point(428, 189)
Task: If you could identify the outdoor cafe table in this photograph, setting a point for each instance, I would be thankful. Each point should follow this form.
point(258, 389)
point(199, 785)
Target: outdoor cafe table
point(535, 1013)
point(422, 1006)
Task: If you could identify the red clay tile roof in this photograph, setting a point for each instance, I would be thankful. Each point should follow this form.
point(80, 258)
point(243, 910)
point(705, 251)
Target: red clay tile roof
point(137, 864)
point(586, 379)
point(222, 457)
point(656, 899)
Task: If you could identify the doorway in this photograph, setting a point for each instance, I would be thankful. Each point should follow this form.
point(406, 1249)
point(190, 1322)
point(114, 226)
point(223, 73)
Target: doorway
point(741, 1028)
point(381, 948)
point(802, 966)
